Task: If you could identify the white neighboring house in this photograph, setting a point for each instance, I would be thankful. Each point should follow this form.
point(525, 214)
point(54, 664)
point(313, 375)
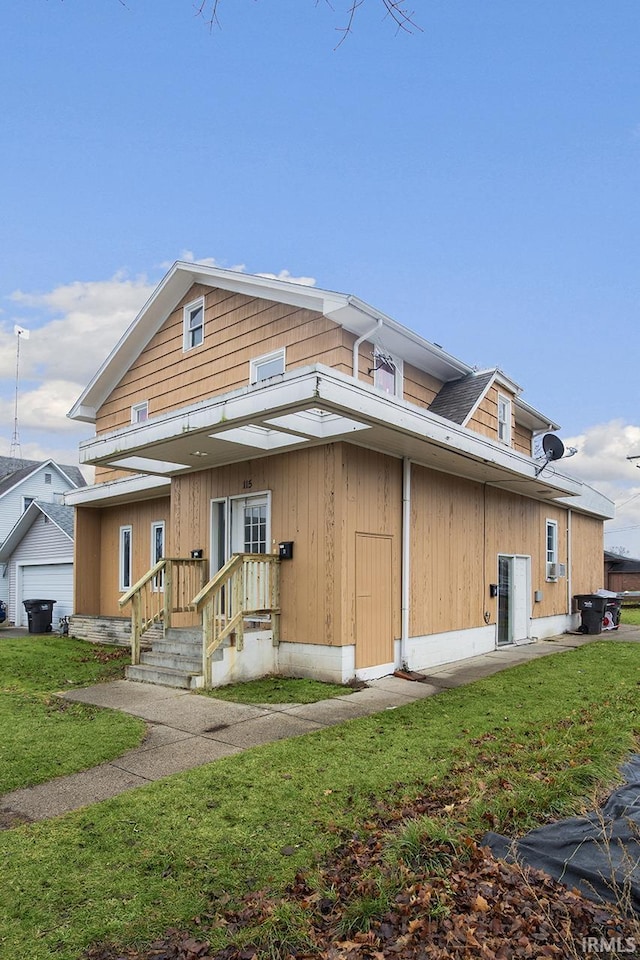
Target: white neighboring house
point(38, 554)
point(22, 482)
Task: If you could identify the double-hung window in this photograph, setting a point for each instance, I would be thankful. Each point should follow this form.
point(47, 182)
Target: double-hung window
point(193, 324)
point(504, 419)
point(140, 412)
point(125, 558)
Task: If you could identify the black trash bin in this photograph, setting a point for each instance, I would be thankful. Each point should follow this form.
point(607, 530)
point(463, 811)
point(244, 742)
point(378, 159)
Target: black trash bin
point(39, 615)
point(591, 608)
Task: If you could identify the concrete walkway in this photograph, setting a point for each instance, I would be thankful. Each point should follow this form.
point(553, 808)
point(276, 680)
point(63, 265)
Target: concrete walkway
point(186, 730)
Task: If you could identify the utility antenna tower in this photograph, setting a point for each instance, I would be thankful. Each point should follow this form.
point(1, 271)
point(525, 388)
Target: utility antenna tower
point(15, 450)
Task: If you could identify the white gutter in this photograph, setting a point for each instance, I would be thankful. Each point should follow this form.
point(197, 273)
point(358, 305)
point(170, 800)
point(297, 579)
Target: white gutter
point(356, 346)
point(406, 558)
point(569, 556)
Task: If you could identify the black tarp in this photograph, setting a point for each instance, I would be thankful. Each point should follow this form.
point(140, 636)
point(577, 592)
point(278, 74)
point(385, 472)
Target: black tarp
point(599, 854)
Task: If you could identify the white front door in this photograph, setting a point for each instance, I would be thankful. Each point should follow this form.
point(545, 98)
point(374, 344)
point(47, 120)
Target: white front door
point(513, 598)
point(241, 525)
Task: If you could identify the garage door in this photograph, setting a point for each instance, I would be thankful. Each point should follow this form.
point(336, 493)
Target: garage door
point(47, 581)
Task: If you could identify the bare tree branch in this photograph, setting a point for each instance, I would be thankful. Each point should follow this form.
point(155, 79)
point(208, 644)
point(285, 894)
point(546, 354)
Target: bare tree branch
point(396, 10)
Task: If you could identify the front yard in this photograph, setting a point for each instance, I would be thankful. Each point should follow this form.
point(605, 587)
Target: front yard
point(44, 736)
point(526, 745)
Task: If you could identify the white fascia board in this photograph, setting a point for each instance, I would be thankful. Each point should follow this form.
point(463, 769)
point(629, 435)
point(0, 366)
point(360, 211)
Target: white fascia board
point(19, 529)
point(592, 502)
point(245, 404)
point(313, 386)
point(114, 489)
point(428, 426)
point(531, 418)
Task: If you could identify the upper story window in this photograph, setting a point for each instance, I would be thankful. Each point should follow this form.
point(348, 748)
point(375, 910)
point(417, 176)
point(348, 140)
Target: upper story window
point(552, 549)
point(26, 503)
point(504, 419)
point(47, 478)
point(193, 324)
point(269, 365)
point(140, 412)
point(387, 373)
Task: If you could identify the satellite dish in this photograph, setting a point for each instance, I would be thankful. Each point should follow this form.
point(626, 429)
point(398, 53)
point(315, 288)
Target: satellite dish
point(552, 449)
point(552, 446)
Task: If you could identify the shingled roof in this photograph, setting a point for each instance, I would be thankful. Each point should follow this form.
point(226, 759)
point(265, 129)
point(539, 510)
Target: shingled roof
point(457, 398)
point(13, 470)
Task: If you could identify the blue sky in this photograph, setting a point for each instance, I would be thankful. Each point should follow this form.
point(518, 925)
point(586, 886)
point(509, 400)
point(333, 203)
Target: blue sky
point(477, 180)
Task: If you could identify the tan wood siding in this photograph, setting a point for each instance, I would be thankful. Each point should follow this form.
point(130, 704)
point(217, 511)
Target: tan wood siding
point(458, 529)
point(370, 503)
point(303, 487)
point(485, 417)
point(446, 553)
point(522, 439)
point(587, 556)
point(237, 329)
point(97, 548)
point(87, 558)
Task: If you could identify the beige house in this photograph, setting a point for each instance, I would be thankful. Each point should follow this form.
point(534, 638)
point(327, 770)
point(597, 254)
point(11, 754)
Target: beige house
point(249, 418)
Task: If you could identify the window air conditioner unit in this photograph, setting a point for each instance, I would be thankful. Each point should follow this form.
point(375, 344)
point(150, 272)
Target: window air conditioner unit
point(552, 571)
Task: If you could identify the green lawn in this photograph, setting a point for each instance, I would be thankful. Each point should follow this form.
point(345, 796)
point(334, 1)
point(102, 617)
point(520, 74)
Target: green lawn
point(515, 749)
point(44, 736)
point(631, 615)
point(278, 690)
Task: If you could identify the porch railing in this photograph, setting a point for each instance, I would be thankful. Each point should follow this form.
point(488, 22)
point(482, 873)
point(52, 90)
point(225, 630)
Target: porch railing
point(246, 587)
point(165, 589)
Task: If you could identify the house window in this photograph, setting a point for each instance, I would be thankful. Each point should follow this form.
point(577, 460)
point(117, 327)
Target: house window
point(26, 503)
point(387, 374)
point(193, 324)
point(552, 550)
point(140, 412)
point(267, 366)
point(125, 557)
point(47, 478)
point(157, 551)
point(504, 419)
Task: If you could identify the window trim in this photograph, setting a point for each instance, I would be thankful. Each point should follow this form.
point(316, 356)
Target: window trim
point(506, 423)
point(551, 556)
point(187, 311)
point(255, 362)
point(122, 584)
point(138, 408)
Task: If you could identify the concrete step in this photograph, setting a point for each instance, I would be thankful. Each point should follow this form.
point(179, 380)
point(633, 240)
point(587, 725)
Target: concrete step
point(184, 648)
point(184, 634)
point(176, 661)
point(163, 676)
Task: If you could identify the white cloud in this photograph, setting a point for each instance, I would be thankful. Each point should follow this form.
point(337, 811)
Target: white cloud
point(188, 256)
point(45, 407)
point(602, 462)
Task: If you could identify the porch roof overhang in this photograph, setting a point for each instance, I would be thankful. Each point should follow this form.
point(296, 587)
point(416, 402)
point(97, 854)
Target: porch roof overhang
point(315, 405)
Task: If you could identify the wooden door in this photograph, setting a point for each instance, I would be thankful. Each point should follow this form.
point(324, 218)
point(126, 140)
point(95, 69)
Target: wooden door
point(374, 621)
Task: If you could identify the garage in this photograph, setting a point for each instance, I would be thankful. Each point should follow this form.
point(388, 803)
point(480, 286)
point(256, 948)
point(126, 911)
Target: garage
point(46, 581)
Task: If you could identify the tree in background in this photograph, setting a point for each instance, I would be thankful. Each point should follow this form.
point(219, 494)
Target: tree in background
point(620, 551)
point(395, 10)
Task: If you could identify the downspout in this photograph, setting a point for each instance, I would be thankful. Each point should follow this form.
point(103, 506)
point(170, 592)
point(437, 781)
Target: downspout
point(406, 558)
point(356, 346)
point(569, 562)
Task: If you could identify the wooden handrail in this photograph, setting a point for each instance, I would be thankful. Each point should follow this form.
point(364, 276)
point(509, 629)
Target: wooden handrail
point(233, 595)
point(165, 589)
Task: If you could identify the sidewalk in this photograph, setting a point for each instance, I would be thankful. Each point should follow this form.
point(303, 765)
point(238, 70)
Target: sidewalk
point(186, 730)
